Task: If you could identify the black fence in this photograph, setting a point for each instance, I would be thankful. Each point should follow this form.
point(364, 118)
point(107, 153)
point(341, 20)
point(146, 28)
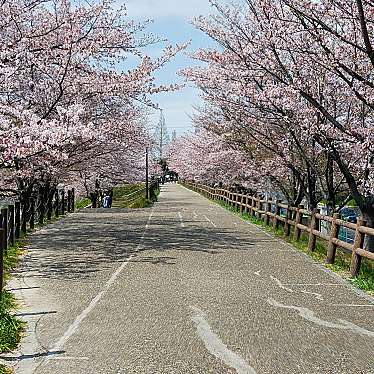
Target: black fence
point(17, 219)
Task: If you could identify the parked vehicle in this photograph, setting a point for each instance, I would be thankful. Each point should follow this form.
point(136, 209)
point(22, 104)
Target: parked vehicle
point(349, 214)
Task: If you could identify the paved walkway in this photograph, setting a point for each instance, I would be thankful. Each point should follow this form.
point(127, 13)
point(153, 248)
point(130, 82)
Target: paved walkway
point(185, 287)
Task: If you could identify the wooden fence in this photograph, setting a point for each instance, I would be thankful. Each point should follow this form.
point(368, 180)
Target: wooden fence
point(303, 221)
point(16, 219)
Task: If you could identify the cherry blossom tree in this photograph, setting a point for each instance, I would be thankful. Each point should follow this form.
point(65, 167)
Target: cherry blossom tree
point(271, 79)
point(64, 93)
point(204, 157)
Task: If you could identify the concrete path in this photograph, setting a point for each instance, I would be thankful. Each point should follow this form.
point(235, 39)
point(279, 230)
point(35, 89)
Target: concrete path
point(185, 287)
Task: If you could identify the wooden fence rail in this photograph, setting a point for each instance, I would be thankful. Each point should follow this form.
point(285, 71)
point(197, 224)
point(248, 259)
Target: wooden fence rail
point(303, 221)
point(16, 219)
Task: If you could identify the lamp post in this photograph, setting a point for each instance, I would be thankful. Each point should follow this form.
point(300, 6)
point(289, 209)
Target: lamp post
point(146, 175)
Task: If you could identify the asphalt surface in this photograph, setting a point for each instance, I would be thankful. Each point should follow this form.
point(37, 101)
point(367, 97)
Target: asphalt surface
point(183, 287)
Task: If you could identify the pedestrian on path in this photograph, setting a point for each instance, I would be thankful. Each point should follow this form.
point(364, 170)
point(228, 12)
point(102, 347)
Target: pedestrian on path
point(106, 201)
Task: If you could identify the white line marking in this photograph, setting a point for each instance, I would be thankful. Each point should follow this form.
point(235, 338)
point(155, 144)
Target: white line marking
point(75, 325)
point(316, 294)
point(181, 219)
point(258, 273)
point(213, 224)
point(280, 284)
point(313, 284)
point(355, 305)
point(70, 358)
point(310, 316)
point(194, 214)
point(216, 347)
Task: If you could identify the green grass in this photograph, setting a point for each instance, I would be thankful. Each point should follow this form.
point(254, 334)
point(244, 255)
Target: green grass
point(120, 193)
point(5, 370)
point(11, 328)
point(82, 203)
point(127, 189)
point(141, 203)
point(12, 255)
point(341, 266)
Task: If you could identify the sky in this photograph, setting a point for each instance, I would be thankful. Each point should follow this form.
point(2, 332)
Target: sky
point(171, 21)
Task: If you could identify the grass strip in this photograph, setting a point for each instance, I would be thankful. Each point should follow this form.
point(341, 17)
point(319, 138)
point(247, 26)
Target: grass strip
point(82, 203)
point(120, 193)
point(11, 328)
point(5, 370)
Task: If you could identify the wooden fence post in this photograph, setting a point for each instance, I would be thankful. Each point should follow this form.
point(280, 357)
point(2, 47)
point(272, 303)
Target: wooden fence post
point(298, 220)
point(267, 211)
point(251, 211)
point(287, 225)
point(2, 236)
point(276, 215)
point(334, 232)
point(11, 225)
point(24, 218)
point(241, 203)
point(246, 209)
point(4, 226)
point(358, 243)
point(313, 226)
point(32, 214)
point(17, 219)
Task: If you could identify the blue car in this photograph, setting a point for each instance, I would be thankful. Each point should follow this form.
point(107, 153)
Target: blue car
point(349, 215)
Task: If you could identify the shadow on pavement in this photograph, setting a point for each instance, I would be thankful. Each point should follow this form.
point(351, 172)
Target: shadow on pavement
point(83, 244)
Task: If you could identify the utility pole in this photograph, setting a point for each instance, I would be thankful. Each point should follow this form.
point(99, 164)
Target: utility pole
point(146, 175)
point(162, 121)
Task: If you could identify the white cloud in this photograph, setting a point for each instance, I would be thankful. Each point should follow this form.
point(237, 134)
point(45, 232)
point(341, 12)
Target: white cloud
point(155, 9)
